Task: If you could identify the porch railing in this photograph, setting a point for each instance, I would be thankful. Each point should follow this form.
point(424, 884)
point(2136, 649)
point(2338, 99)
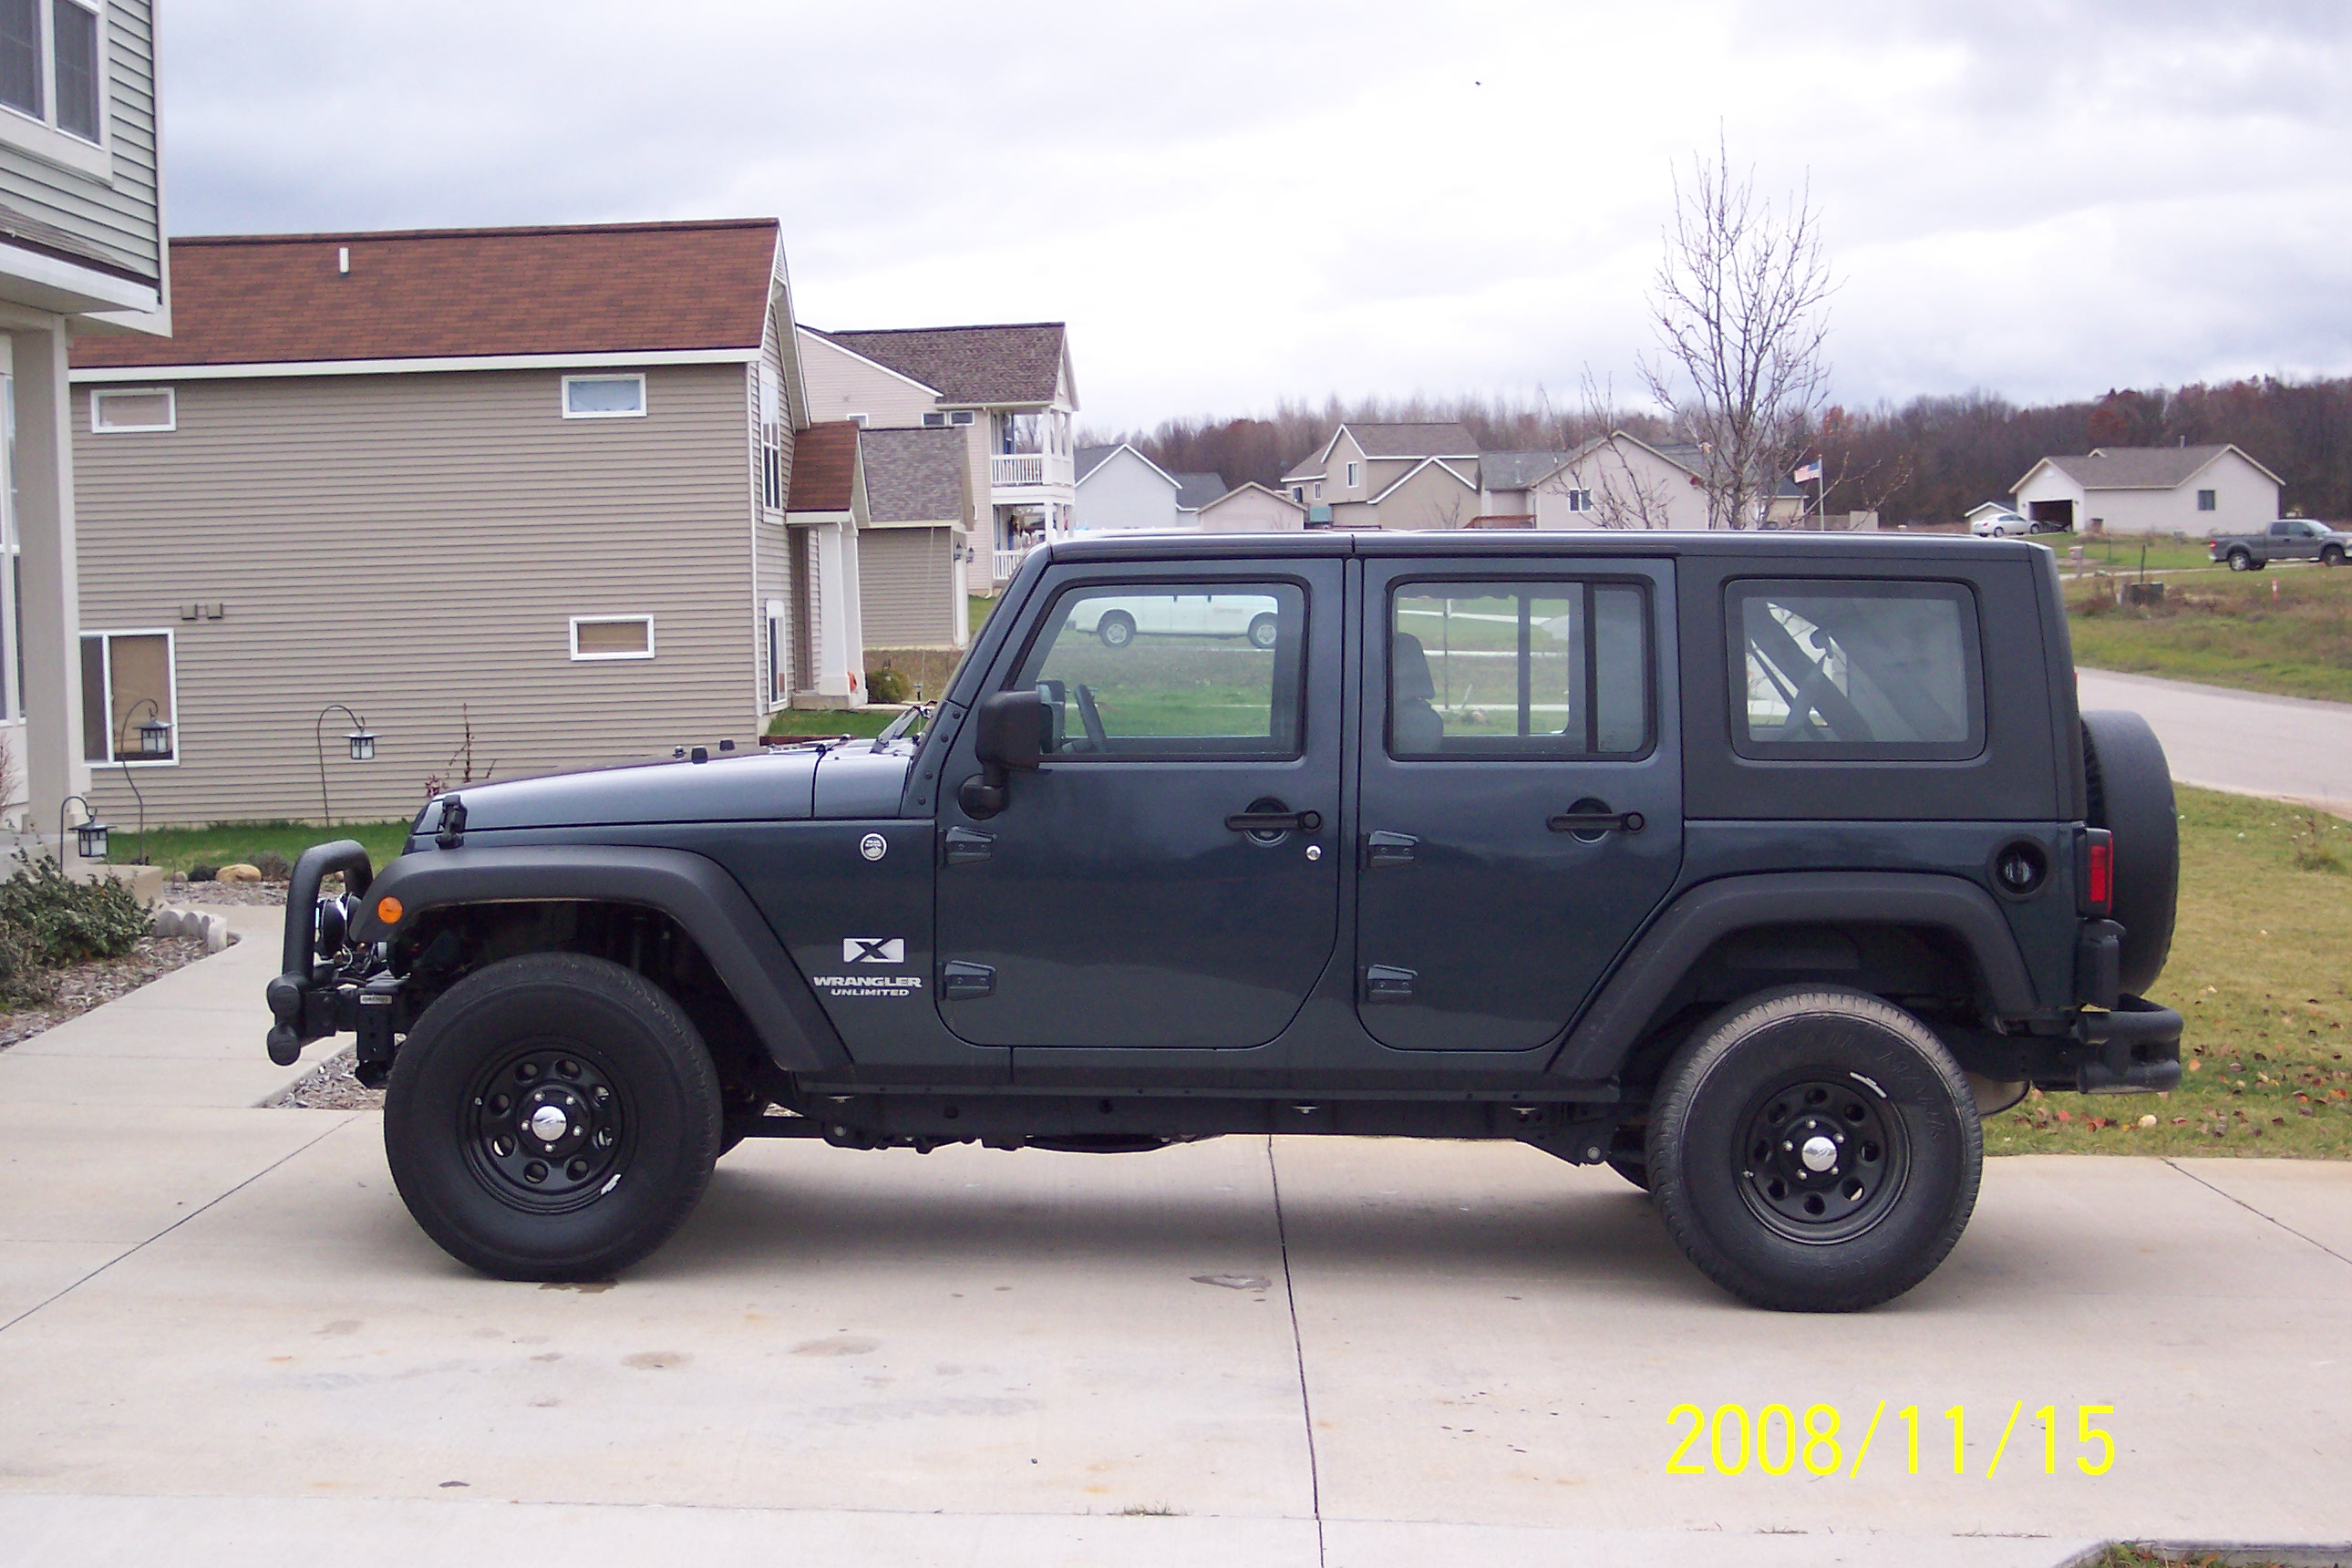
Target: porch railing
point(1013, 469)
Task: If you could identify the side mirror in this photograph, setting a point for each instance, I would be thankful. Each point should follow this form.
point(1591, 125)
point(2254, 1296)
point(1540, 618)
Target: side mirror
point(1010, 734)
point(1012, 730)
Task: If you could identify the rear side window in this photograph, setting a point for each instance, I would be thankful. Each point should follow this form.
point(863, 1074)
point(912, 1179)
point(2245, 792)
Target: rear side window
point(1519, 670)
point(1879, 671)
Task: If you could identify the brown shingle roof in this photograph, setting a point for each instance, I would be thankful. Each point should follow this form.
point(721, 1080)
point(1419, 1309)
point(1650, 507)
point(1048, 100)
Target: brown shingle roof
point(969, 364)
point(430, 294)
point(1446, 440)
point(916, 476)
point(825, 466)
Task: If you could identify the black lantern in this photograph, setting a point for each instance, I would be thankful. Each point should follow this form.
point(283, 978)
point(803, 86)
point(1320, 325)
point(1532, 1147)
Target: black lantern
point(362, 744)
point(155, 738)
point(90, 839)
point(359, 743)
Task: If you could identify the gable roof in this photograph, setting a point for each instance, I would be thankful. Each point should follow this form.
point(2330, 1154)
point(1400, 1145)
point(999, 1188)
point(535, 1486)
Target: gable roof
point(1244, 488)
point(1194, 491)
point(915, 476)
point(824, 468)
point(1087, 460)
point(460, 293)
point(1016, 365)
point(1407, 476)
point(2140, 468)
point(1445, 439)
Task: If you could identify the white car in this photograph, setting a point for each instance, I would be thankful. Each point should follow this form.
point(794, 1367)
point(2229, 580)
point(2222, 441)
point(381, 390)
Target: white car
point(1118, 622)
point(2002, 525)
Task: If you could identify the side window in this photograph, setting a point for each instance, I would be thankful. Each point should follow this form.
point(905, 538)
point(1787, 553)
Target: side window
point(1879, 671)
point(128, 683)
point(2205, 500)
point(1519, 670)
point(1171, 673)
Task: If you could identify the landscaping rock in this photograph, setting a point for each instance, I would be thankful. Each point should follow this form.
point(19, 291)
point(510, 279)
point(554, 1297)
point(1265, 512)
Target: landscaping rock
point(238, 872)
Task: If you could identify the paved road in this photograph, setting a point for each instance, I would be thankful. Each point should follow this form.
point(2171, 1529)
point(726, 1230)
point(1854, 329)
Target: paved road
point(223, 1340)
point(2289, 747)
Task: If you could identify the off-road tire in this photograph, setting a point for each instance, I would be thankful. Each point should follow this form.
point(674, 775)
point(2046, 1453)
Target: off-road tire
point(579, 1024)
point(1867, 1057)
point(2129, 787)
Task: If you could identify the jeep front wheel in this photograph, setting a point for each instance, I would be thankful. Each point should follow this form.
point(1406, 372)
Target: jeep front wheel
point(552, 1117)
point(1815, 1150)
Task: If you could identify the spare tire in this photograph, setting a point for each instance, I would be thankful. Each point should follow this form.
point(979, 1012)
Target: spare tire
point(2131, 797)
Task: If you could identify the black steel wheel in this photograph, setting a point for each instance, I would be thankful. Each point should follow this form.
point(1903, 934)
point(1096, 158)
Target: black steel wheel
point(552, 1117)
point(1815, 1149)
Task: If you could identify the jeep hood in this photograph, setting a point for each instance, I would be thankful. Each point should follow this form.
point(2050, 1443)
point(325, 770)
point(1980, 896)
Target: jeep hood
point(856, 779)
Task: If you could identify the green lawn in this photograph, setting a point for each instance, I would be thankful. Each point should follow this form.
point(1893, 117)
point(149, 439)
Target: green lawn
point(830, 721)
point(2283, 631)
point(2258, 970)
point(226, 843)
point(2125, 554)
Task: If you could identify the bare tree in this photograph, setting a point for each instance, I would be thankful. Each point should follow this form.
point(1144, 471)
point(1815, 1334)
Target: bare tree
point(1740, 306)
point(1601, 469)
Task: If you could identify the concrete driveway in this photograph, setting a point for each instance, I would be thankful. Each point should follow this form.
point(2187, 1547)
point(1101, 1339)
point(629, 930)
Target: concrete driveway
point(2291, 748)
point(222, 1340)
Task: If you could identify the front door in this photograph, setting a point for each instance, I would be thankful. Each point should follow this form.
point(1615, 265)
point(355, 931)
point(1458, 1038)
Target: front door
point(1521, 784)
point(1169, 877)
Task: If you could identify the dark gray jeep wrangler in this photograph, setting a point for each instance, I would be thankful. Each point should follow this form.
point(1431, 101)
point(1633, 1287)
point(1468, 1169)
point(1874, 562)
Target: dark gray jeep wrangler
point(1757, 866)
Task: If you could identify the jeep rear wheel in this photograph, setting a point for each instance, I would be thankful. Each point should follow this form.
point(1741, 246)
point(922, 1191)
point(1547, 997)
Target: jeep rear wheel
point(551, 1117)
point(1815, 1150)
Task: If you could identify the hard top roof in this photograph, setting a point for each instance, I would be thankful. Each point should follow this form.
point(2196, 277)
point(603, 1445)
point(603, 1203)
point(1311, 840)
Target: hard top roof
point(1475, 544)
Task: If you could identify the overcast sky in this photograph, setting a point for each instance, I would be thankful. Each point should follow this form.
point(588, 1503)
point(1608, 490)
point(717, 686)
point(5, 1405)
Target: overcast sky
point(1231, 202)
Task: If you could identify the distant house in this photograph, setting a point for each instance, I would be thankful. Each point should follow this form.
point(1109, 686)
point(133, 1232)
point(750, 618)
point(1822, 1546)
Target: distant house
point(1194, 491)
point(1009, 389)
point(2151, 490)
point(1121, 490)
point(919, 499)
point(1380, 475)
point(1253, 509)
point(539, 483)
point(81, 253)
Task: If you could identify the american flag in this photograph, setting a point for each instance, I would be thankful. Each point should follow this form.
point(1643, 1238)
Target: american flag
point(1809, 474)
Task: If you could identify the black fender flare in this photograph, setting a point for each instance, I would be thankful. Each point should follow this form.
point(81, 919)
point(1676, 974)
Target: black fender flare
point(1612, 1026)
point(692, 890)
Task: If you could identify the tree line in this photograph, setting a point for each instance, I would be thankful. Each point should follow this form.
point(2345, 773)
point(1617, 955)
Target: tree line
point(1927, 460)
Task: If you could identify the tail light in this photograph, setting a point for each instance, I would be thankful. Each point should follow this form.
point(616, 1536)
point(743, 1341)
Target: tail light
point(2095, 871)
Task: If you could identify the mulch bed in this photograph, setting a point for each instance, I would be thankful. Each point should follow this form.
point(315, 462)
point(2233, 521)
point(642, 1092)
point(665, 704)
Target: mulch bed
point(330, 1085)
point(182, 892)
point(83, 987)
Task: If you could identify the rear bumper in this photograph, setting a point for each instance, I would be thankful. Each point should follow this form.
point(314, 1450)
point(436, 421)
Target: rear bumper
point(2135, 1048)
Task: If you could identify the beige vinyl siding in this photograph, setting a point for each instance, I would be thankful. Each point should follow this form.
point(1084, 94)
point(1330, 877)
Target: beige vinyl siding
point(908, 586)
point(408, 544)
point(118, 221)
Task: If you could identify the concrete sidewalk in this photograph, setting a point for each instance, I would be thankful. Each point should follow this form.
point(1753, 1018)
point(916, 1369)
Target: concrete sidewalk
point(2289, 748)
point(222, 1340)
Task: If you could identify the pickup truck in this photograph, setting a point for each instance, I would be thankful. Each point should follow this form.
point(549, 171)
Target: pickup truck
point(2288, 539)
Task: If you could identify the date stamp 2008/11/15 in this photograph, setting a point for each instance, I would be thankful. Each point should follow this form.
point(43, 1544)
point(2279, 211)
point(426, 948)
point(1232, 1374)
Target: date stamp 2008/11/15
point(1778, 1441)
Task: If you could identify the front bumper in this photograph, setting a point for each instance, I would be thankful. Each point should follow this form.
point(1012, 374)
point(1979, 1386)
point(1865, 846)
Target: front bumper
point(316, 994)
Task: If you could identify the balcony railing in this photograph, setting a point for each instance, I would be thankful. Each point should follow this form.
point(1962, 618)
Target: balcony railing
point(1013, 469)
point(1008, 562)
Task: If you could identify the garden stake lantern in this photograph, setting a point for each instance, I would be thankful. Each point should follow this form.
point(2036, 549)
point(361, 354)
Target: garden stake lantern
point(361, 742)
point(90, 837)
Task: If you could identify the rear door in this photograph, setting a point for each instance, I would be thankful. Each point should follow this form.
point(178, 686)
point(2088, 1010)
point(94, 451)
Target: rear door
point(1521, 791)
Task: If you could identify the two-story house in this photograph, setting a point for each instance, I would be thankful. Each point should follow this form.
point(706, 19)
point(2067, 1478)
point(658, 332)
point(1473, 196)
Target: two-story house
point(81, 252)
point(1389, 476)
point(532, 485)
point(1009, 389)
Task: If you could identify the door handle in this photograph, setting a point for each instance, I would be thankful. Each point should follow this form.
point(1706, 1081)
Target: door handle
point(1580, 821)
point(1386, 848)
point(965, 846)
point(1275, 821)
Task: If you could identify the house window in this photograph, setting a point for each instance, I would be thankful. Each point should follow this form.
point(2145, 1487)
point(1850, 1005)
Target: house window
point(941, 420)
point(1319, 489)
point(604, 396)
point(1579, 500)
point(1299, 492)
point(612, 636)
point(2205, 500)
point(772, 440)
point(52, 65)
point(113, 411)
point(128, 679)
point(1351, 476)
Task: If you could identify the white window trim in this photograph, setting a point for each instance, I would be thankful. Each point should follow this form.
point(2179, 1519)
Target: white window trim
point(857, 420)
point(1351, 476)
point(580, 657)
point(40, 135)
point(98, 395)
point(777, 633)
point(564, 398)
point(171, 664)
